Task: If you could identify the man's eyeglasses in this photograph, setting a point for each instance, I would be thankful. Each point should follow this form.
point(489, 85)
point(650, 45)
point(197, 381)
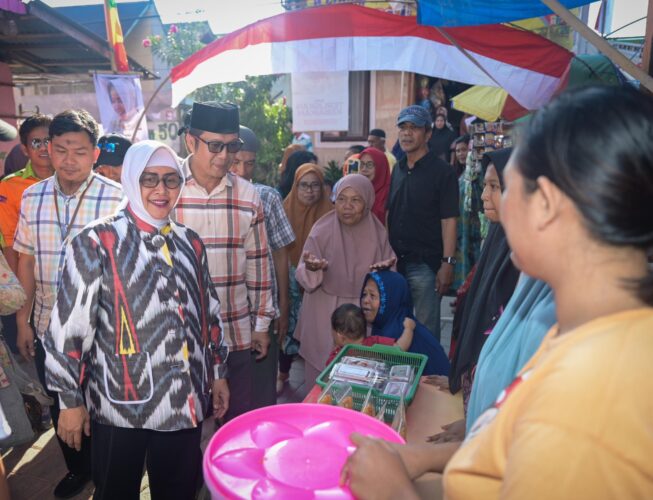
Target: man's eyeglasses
point(37, 143)
point(150, 180)
point(217, 146)
point(109, 147)
point(309, 186)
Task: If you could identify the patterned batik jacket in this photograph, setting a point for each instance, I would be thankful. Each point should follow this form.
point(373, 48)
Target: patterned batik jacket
point(137, 324)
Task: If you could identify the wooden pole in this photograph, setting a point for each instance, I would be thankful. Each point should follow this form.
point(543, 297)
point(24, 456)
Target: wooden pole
point(107, 24)
point(147, 106)
point(613, 54)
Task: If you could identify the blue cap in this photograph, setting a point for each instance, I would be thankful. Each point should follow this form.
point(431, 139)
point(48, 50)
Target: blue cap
point(415, 114)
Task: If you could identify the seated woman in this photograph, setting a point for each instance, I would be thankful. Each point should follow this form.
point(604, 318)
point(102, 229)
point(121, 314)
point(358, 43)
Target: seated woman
point(137, 318)
point(493, 284)
point(340, 250)
point(387, 304)
point(348, 326)
point(576, 422)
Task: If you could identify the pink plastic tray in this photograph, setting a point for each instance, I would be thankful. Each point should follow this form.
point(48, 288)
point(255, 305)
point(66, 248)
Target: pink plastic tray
point(286, 451)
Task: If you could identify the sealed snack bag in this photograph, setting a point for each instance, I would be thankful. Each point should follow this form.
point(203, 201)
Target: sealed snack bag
point(381, 413)
point(326, 398)
point(344, 396)
point(399, 422)
point(368, 404)
point(402, 373)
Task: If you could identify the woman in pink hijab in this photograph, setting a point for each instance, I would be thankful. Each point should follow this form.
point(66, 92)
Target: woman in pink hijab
point(340, 250)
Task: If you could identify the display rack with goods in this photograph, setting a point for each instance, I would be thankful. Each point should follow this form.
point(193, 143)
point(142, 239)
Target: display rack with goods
point(489, 136)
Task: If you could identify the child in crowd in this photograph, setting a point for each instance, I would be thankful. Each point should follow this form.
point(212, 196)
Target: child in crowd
point(348, 326)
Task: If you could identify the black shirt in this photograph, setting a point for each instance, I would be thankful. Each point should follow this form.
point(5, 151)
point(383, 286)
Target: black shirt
point(419, 199)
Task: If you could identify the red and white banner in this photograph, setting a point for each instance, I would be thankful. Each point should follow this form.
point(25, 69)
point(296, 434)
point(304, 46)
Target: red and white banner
point(354, 38)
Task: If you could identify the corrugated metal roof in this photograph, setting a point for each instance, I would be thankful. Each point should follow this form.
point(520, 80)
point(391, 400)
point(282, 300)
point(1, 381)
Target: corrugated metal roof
point(49, 42)
point(92, 16)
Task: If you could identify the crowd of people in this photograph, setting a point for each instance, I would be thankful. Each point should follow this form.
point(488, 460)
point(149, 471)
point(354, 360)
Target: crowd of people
point(160, 291)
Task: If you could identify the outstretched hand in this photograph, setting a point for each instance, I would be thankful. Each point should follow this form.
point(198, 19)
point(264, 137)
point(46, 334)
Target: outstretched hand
point(383, 264)
point(439, 381)
point(314, 263)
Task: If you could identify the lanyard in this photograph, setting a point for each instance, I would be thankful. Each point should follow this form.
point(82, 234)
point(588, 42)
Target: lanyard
point(64, 235)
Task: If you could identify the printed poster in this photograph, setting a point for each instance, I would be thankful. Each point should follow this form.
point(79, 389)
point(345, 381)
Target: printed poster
point(120, 102)
point(320, 101)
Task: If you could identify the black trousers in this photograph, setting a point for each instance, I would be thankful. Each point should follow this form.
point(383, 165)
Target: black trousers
point(173, 461)
point(10, 332)
point(240, 365)
point(77, 462)
point(264, 381)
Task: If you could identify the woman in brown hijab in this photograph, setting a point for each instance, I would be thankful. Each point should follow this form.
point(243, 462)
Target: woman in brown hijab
point(305, 204)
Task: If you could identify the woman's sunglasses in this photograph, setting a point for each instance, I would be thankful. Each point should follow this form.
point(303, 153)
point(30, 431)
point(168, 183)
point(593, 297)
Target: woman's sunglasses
point(150, 180)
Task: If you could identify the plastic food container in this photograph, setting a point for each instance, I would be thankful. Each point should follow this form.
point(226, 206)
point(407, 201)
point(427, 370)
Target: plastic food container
point(392, 357)
point(292, 451)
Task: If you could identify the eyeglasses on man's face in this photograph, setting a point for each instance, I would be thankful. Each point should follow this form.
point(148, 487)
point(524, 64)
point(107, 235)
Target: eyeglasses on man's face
point(217, 146)
point(37, 143)
point(309, 186)
point(151, 180)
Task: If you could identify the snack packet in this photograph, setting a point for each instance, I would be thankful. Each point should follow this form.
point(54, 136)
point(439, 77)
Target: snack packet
point(368, 404)
point(344, 396)
point(399, 422)
point(368, 377)
point(337, 393)
point(393, 388)
point(381, 413)
point(402, 373)
point(378, 366)
point(325, 396)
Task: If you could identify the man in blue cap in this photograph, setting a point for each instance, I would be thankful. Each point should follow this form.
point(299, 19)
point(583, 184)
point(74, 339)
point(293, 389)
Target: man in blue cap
point(422, 212)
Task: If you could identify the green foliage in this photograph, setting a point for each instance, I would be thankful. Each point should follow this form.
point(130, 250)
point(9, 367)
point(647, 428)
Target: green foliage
point(332, 172)
point(269, 120)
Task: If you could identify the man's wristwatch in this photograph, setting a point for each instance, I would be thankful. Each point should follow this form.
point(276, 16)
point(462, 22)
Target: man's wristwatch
point(449, 260)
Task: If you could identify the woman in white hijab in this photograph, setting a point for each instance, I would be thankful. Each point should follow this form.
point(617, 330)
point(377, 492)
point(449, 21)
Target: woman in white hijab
point(137, 319)
point(124, 98)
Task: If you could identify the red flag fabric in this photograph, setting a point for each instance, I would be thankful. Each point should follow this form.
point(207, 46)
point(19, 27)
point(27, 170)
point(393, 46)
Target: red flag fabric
point(349, 37)
point(114, 35)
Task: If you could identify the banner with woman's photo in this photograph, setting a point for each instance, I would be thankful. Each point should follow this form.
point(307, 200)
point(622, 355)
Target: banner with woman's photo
point(120, 101)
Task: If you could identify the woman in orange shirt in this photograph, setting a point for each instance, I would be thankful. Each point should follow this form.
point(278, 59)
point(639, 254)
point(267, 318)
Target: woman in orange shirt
point(576, 422)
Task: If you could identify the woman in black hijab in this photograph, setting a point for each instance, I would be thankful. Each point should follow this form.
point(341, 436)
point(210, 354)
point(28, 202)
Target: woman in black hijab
point(295, 160)
point(441, 139)
point(493, 283)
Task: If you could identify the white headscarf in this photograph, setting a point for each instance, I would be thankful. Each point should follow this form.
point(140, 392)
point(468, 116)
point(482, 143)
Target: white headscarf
point(141, 155)
point(127, 91)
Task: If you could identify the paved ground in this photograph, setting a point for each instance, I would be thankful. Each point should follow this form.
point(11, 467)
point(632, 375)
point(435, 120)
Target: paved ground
point(34, 470)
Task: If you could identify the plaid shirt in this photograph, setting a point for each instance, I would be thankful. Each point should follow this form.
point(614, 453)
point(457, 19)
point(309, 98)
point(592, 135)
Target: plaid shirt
point(40, 234)
point(229, 221)
point(278, 229)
